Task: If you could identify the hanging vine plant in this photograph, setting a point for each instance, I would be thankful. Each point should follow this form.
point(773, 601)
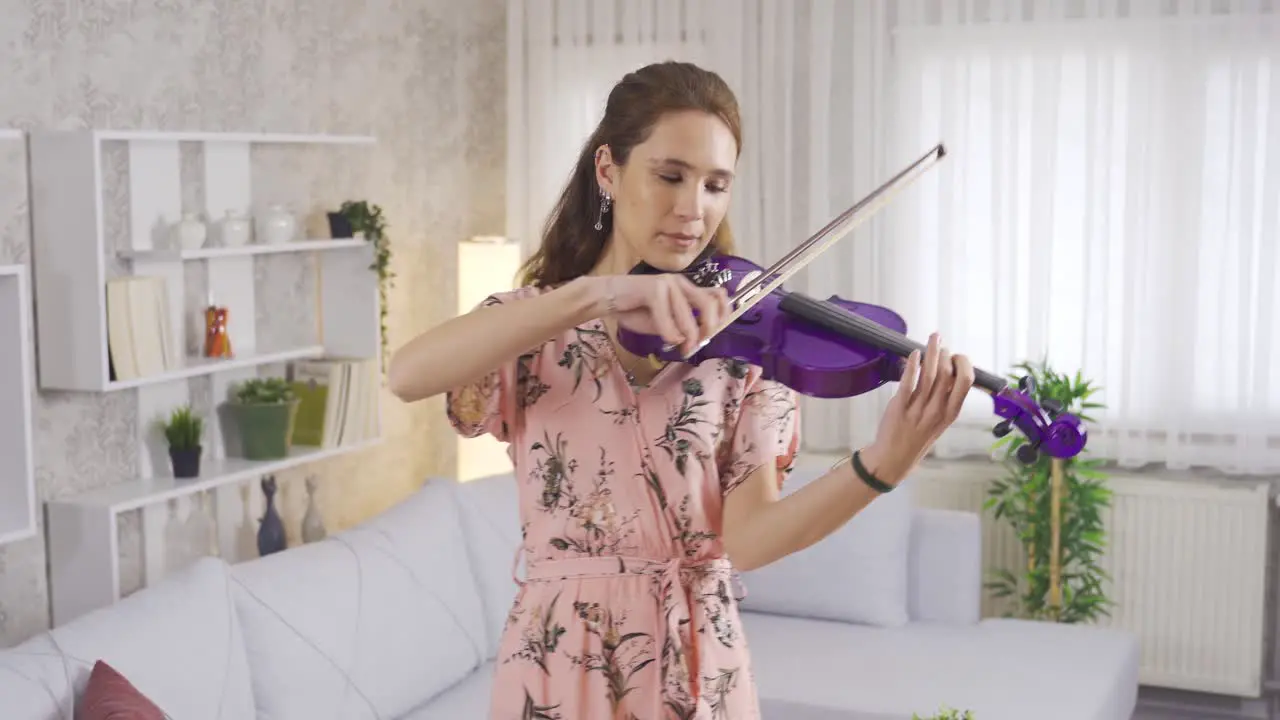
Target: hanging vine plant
point(367, 219)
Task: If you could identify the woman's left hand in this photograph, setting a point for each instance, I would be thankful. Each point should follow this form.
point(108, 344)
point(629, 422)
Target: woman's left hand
point(928, 401)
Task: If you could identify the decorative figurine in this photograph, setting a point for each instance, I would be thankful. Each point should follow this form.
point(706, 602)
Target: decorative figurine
point(217, 343)
point(271, 537)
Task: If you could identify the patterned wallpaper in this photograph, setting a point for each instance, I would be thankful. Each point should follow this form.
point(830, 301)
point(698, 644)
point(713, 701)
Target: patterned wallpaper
point(425, 76)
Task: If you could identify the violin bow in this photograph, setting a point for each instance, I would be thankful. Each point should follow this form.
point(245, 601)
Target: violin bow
point(748, 294)
point(755, 289)
point(795, 260)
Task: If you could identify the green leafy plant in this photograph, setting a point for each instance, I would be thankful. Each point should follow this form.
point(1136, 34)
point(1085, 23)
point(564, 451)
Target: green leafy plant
point(1056, 513)
point(263, 391)
point(946, 713)
point(184, 429)
point(367, 219)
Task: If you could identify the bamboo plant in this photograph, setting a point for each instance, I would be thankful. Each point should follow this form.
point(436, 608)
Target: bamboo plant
point(1055, 507)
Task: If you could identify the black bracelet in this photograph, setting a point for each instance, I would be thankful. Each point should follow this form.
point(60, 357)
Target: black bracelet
point(865, 475)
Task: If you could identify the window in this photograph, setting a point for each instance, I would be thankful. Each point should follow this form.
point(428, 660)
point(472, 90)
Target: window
point(1111, 202)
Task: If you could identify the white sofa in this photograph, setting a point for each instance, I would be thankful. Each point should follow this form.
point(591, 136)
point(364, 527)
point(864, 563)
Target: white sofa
point(398, 619)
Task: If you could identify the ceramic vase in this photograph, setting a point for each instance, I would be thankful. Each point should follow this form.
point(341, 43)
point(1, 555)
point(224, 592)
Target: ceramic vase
point(276, 225)
point(271, 537)
point(191, 232)
point(236, 230)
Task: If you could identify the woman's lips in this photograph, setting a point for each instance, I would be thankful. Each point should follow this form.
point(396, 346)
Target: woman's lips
point(680, 240)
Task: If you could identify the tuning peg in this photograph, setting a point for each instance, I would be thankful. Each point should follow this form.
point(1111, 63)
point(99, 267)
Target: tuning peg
point(1027, 384)
point(1001, 429)
point(1053, 407)
point(1027, 454)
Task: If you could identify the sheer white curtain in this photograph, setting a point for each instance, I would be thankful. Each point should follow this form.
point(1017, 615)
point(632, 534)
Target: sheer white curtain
point(1112, 203)
point(1109, 201)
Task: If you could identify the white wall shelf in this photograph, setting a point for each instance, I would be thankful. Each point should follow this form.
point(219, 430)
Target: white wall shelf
point(265, 138)
point(242, 251)
point(140, 493)
point(17, 471)
point(10, 134)
point(104, 203)
point(197, 366)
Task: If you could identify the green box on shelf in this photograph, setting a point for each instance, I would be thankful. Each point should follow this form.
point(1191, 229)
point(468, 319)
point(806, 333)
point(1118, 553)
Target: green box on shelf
point(265, 410)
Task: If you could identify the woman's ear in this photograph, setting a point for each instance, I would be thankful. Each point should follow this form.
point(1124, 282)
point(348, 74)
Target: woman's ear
point(606, 170)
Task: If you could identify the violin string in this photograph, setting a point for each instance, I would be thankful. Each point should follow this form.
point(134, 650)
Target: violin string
point(886, 338)
point(867, 329)
point(938, 150)
point(795, 267)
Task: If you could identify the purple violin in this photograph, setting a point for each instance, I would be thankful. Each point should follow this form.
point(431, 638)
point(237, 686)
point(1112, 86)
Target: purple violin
point(838, 348)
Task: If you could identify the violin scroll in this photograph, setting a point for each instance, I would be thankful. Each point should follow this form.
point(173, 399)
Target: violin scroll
point(1046, 427)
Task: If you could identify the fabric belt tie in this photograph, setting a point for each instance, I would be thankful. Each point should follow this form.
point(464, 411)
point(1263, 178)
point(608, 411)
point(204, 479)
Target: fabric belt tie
point(675, 599)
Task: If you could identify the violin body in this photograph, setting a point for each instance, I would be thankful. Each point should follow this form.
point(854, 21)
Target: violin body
point(839, 348)
point(805, 357)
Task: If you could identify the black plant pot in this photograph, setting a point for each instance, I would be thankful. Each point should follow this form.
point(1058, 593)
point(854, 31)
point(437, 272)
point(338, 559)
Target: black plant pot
point(340, 226)
point(186, 461)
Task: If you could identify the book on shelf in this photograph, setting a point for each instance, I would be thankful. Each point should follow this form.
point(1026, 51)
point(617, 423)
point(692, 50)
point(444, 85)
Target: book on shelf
point(140, 337)
point(338, 401)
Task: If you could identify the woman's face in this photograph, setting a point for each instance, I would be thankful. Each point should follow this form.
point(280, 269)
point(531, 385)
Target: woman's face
point(670, 197)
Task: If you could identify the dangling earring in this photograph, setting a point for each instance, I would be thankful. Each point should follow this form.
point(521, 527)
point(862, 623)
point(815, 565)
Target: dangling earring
point(604, 208)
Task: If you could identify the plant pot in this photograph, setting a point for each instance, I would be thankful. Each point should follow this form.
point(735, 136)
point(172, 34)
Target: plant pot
point(186, 461)
point(266, 431)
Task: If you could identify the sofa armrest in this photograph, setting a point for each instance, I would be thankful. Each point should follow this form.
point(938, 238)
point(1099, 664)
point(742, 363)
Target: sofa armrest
point(945, 566)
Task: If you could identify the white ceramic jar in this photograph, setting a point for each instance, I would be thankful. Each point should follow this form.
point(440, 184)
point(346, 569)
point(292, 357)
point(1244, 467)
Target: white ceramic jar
point(191, 232)
point(276, 225)
point(235, 229)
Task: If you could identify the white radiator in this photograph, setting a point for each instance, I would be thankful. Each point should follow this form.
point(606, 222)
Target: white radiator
point(1188, 562)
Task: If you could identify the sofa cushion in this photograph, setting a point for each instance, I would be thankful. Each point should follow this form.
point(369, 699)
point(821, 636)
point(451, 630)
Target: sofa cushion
point(998, 669)
point(859, 573)
point(368, 623)
point(490, 510)
point(467, 699)
point(946, 566)
point(179, 642)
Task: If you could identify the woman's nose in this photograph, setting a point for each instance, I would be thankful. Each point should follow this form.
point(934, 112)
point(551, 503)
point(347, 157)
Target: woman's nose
point(690, 202)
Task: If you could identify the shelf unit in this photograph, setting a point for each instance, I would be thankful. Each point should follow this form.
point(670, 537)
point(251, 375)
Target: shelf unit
point(17, 467)
point(85, 235)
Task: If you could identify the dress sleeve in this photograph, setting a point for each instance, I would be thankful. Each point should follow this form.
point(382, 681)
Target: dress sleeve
point(767, 430)
point(486, 405)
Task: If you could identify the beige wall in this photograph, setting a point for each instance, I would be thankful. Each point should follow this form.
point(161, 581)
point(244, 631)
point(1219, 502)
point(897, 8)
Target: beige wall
point(425, 76)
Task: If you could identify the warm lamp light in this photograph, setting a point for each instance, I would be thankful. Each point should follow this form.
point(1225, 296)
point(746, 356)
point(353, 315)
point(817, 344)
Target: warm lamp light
point(486, 264)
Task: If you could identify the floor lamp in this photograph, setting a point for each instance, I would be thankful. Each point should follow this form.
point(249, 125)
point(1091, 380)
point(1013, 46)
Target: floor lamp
point(486, 264)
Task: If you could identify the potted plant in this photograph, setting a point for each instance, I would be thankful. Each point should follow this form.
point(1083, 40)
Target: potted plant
point(183, 431)
point(360, 217)
point(946, 714)
point(1055, 507)
point(264, 410)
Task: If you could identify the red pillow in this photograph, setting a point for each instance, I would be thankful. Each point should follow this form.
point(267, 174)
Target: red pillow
point(109, 696)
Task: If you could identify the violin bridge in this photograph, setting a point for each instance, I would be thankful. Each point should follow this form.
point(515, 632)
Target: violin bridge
point(654, 362)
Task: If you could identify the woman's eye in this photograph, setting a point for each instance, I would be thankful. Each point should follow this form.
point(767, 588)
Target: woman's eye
point(673, 179)
point(717, 188)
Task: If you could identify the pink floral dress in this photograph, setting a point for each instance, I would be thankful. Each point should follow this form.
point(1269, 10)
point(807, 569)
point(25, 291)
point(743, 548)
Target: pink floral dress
point(627, 609)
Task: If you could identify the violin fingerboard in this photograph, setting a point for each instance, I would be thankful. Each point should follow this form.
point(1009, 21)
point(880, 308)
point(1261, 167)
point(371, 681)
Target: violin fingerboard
point(854, 326)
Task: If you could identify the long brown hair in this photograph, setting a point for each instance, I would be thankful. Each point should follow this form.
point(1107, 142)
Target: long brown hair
point(571, 246)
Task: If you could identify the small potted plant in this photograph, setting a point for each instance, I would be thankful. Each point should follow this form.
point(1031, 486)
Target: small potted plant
point(946, 714)
point(183, 431)
point(264, 410)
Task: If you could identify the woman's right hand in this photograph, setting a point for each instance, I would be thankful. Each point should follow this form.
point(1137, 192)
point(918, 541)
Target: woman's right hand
point(663, 304)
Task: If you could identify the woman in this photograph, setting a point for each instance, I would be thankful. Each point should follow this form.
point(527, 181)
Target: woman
point(634, 497)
